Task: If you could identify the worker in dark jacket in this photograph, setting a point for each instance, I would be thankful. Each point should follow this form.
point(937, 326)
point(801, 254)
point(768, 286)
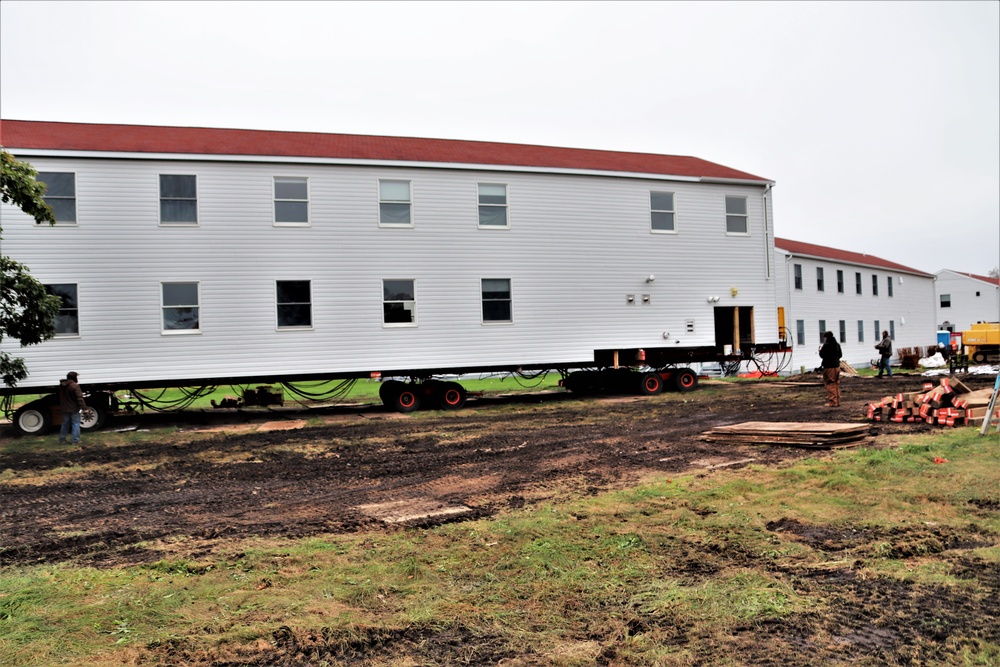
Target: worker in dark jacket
point(70, 404)
point(884, 348)
point(830, 353)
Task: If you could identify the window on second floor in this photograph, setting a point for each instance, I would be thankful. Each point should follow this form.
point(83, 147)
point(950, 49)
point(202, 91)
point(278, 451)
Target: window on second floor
point(840, 281)
point(496, 300)
point(60, 195)
point(874, 285)
point(294, 303)
point(737, 218)
point(67, 322)
point(888, 286)
point(394, 203)
point(661, 212)
point(797, 268)
point(857, 283)
point(180, 308)
point(399, 302)
point(178, 199)
point(820, 285)
point(291, 200)
point(493, 205)
point(946, 301)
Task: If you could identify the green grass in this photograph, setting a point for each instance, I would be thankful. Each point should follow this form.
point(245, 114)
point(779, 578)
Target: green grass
point(623, 569)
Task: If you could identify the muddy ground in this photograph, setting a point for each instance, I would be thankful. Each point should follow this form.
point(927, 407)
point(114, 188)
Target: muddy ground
point(368, 469)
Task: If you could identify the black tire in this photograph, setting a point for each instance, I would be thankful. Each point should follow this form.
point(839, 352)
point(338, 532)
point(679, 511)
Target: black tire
point(407, 399)
point(93, 417)
point(35, 418)
point(451, 395)
point(650, 384)
point(387, 391)
point(685, 380)
point(979, 357)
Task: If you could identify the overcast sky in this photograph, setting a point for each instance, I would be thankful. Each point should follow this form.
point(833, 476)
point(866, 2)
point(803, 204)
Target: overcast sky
point(879, 122)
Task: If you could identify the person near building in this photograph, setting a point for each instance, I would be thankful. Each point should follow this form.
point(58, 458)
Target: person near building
point(70, 404)
point(831, 353)
point(884, 348)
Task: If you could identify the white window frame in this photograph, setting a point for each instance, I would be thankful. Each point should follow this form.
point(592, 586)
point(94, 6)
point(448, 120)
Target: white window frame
point(745, 215)
point(505, 206)
point(672, 211)
point(290, 327)
point(413, 310)
point(509, 300)
point(408, 202)
point(76, 210)
point(197, 207)
point(76, 288)
point(179, 332)
point(275, 200)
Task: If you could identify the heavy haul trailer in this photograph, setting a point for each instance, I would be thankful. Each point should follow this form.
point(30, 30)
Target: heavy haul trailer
point(194, 257)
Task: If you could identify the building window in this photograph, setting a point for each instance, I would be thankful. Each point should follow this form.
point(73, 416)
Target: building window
point(737, 219)
point(178, 199)
point(946, 301)
point(843, 331)
point(819, 279)
point(798, 275)
point(892, 329)
point(394, 203)
point(294, 303)
point(822, 329)
point(67, 322)
point(661, 212)
point(492, 205)
point(60, 194)
point(180, 308)
point(800, 332)
point(874, 285)
point(496, 300)
point(857, 283)
point(399, 302)
point(878, 330)
point(888, 286)
point(840, 281)
point(291, 200)
point(861, 331)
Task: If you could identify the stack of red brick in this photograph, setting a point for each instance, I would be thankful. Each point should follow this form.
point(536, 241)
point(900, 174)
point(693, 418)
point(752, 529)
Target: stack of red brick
point(949, 403)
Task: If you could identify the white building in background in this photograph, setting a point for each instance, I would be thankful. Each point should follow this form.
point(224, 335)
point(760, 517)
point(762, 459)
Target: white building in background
point(962, 299)
point(856, 296)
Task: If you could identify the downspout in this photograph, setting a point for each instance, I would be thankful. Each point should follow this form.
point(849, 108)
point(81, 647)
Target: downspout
point(768, 246)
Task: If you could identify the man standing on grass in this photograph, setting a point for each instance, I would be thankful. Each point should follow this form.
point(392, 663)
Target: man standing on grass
point(70, 404)
point(830, 353)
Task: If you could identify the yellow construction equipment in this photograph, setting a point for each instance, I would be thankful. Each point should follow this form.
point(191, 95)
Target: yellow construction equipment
point(982, 342)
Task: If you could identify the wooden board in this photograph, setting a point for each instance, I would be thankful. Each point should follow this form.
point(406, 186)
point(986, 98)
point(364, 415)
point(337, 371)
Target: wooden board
point(814, 435)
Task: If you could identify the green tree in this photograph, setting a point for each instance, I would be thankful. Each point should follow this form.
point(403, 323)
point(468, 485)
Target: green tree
point(27, 311)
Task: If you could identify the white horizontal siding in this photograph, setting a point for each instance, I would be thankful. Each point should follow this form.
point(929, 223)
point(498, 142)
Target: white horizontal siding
point(575, 247)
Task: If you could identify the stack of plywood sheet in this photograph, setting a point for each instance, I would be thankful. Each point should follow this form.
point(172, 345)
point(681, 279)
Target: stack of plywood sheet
point(791, 434)
point(949, 403)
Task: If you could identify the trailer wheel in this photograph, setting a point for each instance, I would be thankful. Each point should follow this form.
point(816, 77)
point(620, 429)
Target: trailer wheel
point(387, 391)
point(650, 384)
point(979, 357)
point(685, 380)
point(93, 417)
point(407, 399)
point(451, 395)
point(35, 418)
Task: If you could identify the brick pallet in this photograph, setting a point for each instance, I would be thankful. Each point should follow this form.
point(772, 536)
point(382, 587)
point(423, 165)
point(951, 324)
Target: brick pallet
point(949, 403)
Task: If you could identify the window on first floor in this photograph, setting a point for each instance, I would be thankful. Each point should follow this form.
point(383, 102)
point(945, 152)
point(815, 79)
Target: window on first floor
point(843, 331)
point(496, 300)
point(67, 322)
point(946, 301)
point(840, 281)
point(493, 205)
point(892, 329)
point(800, 332)
point(60, 194)
point(291, 200)
point(180, 304)
point(394, 203)
point(861, 331)
point(878, 330)
point(822, 330)
point(294, 303)
point(797, 268)
point(178, 199)
point(737, 218)
point(399, 302)
point(661, 212)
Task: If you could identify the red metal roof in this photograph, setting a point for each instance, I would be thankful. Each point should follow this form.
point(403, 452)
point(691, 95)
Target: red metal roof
point(985, 279)
point(44, 135)
point(846, 256)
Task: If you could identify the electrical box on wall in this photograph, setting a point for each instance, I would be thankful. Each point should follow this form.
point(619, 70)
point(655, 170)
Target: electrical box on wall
point(689, 326)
